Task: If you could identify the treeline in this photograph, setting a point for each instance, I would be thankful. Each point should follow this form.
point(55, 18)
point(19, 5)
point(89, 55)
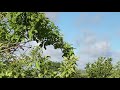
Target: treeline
point(34, 65)
point(101, 68)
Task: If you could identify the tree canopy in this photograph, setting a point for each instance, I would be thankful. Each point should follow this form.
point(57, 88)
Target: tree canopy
point(19, 28)
point(100, 69)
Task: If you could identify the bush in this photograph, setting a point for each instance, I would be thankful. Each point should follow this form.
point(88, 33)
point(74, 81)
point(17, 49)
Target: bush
point(100, 69)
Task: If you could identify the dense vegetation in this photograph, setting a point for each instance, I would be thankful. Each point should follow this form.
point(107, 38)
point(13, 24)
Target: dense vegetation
point(19, 28)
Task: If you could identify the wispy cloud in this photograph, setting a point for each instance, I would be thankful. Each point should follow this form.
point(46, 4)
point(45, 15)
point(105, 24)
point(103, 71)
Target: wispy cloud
point(91, 47)
point(100, 48)
point(87, 19)
point(53, 16)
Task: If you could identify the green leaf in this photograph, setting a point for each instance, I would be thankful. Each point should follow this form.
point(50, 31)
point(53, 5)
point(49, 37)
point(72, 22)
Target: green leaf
point(37, 65)
point(30, 34)
point(24, 27)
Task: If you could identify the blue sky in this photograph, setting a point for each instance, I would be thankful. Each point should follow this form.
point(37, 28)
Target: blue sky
point(109, 25)
point(93, 34)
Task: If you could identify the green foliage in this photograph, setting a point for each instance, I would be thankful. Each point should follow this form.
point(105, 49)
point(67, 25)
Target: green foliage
point(32, 26)
point(19, 28)
point(100, 69)
point(36, 66)
point(68, 67)
point(27, 66)
point(116, 71)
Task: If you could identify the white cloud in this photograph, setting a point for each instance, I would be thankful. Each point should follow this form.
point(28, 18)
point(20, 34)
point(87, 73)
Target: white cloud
point(91, 44)
point(56, 54)
point(91, 47)
point(26, 49)
point(100, 48)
